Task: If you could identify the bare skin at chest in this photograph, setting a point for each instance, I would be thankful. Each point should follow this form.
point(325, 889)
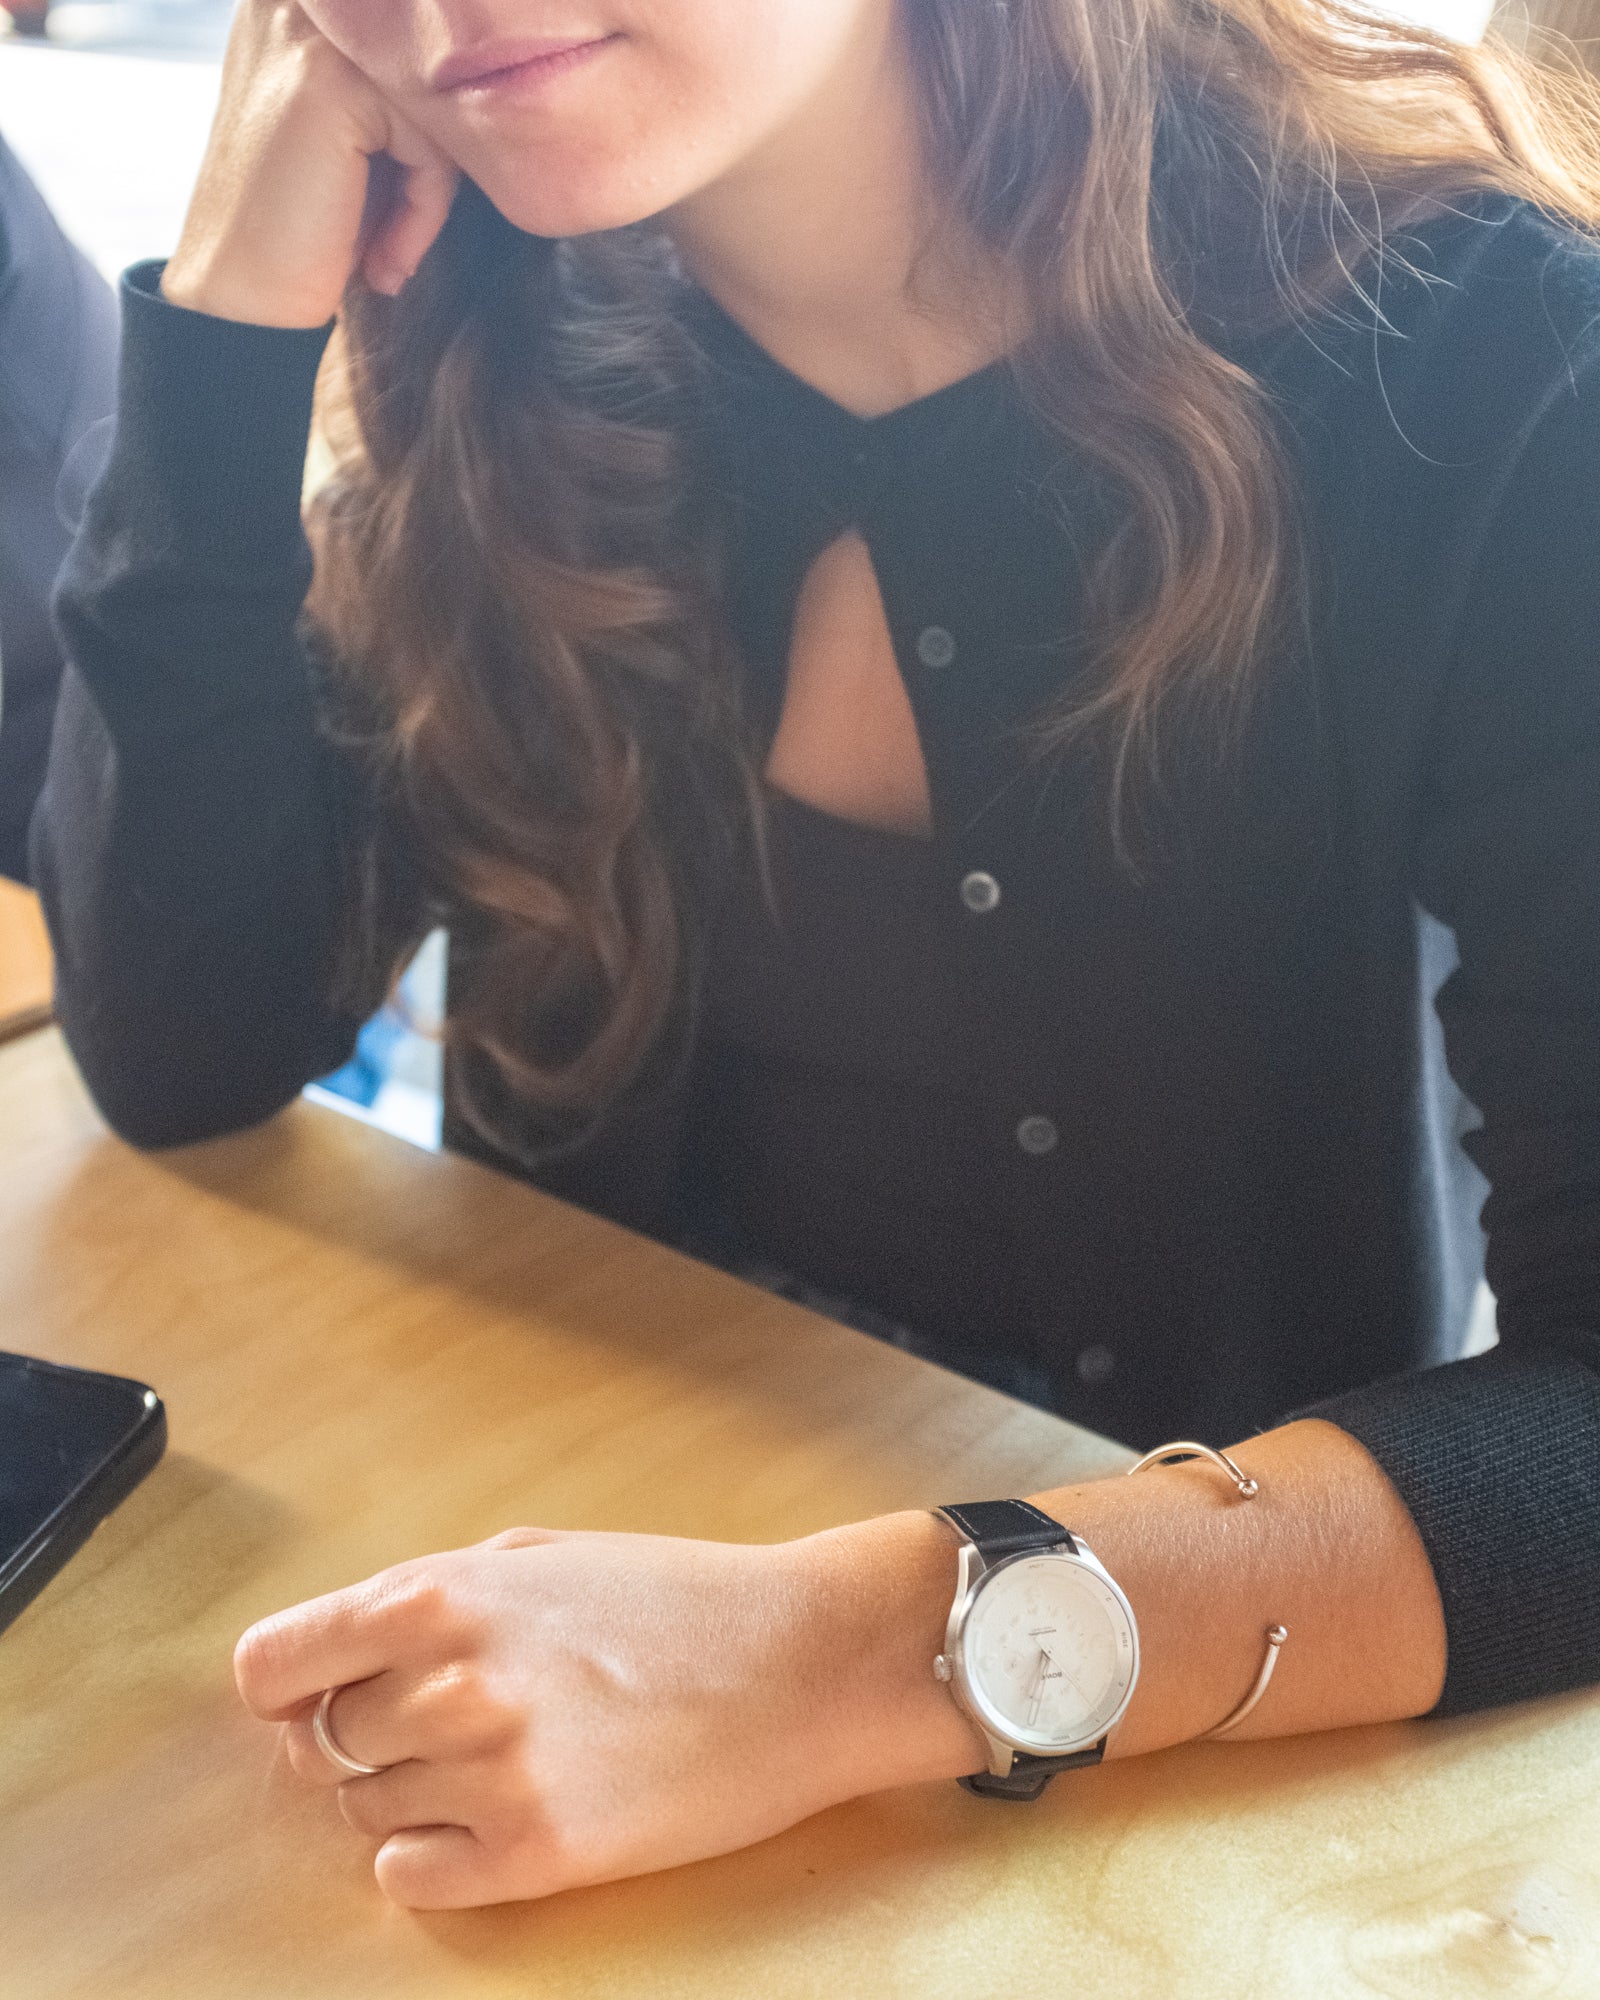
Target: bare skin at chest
point(847, 740)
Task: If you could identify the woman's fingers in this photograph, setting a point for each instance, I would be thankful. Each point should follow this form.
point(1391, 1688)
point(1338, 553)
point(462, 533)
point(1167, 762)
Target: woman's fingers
point(444, 1868)
point(396, 1717)
point(556, 1709)
point(271, 228)
point(421, 207)
point(288, 1659)
point(448, 1837)
point(348, 1635)
point(466, 1794)
point(305, 1754)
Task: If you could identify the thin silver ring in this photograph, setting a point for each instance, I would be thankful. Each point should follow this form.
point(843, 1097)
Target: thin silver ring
point(1275, 1634)
point(322, 1731)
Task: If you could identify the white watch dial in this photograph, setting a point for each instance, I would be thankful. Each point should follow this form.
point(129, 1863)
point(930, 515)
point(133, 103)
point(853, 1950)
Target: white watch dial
point(1049, 1648)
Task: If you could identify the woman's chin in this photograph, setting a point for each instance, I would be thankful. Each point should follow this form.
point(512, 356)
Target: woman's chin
point(575, 210)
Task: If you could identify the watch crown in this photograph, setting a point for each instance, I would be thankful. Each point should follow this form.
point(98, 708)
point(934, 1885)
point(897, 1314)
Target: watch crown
point(941, 1667)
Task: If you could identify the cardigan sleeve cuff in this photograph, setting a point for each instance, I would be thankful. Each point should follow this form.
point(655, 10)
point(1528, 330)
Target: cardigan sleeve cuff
point(180, 600)
point(216, 417)
point(180, 597)
point(1498, 1460)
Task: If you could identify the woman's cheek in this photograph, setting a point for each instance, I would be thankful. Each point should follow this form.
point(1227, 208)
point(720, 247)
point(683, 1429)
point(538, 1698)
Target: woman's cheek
point(394, 43)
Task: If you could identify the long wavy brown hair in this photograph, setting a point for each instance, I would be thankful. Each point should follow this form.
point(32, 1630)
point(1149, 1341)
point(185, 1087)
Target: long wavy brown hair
point(518, 552)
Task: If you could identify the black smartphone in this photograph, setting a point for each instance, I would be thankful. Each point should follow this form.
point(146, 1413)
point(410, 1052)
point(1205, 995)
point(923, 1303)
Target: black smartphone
point(72, 1445)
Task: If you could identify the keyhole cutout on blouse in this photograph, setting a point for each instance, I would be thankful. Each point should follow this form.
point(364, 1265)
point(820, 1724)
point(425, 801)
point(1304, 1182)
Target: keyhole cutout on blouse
point(847, 739)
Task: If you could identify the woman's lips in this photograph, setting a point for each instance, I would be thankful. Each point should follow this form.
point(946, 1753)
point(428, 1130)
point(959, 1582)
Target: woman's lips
point(503, 65)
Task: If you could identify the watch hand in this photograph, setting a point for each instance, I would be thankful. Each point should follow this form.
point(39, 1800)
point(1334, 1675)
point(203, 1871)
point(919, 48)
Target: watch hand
point(1036, 1690)
point(1065, 1674)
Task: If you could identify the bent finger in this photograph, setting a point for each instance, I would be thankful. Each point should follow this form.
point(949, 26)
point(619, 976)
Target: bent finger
point(435, 1868)
point(432, 1716)
point(357, 1738)
point(525, 1538)
point(285, 1661)
point(414, 1794)
point(421, 207)
point(450, 1868)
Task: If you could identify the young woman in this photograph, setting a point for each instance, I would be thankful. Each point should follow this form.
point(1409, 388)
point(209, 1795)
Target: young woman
point(964, 610)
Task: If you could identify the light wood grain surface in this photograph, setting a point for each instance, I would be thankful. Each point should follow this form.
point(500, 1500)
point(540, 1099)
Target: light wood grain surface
point(25, 963)
point(367, 1352)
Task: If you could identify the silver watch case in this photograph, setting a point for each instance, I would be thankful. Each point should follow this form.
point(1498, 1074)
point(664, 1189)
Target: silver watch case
point(971, 1576)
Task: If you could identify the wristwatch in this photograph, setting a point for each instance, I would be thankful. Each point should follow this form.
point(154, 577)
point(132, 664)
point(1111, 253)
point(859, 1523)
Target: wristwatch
point(1042, 1649)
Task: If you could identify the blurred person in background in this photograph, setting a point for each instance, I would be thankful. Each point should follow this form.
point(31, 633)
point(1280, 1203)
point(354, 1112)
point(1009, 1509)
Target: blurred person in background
point(58, 346)
point(977, 618)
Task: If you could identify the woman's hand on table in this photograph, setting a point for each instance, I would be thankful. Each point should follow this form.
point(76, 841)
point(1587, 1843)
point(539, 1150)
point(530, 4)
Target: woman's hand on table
point(569, 1708)
point(559, 1709)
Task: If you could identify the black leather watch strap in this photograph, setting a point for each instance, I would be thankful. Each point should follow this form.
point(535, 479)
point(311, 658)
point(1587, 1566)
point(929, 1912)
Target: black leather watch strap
point(1003, 1527)
point(1029, 1774)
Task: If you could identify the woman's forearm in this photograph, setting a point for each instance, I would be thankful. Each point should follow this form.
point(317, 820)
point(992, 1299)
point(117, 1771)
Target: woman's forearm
point(548, 1709)
point(1326, 1548)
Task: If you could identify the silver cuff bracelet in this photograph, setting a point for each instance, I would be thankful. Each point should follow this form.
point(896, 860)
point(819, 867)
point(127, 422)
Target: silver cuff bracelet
point(1276, 1634)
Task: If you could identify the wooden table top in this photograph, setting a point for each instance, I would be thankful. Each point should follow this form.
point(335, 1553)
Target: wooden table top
point(368, 1352)
point(26, 967)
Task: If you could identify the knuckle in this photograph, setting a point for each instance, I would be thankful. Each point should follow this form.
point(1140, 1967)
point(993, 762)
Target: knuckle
point(322, 60)
point(523, 1538)
point(423, 1599)
point(469, 1708)
point(421, 1606)
point(315, 66)
point(454, 1688)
